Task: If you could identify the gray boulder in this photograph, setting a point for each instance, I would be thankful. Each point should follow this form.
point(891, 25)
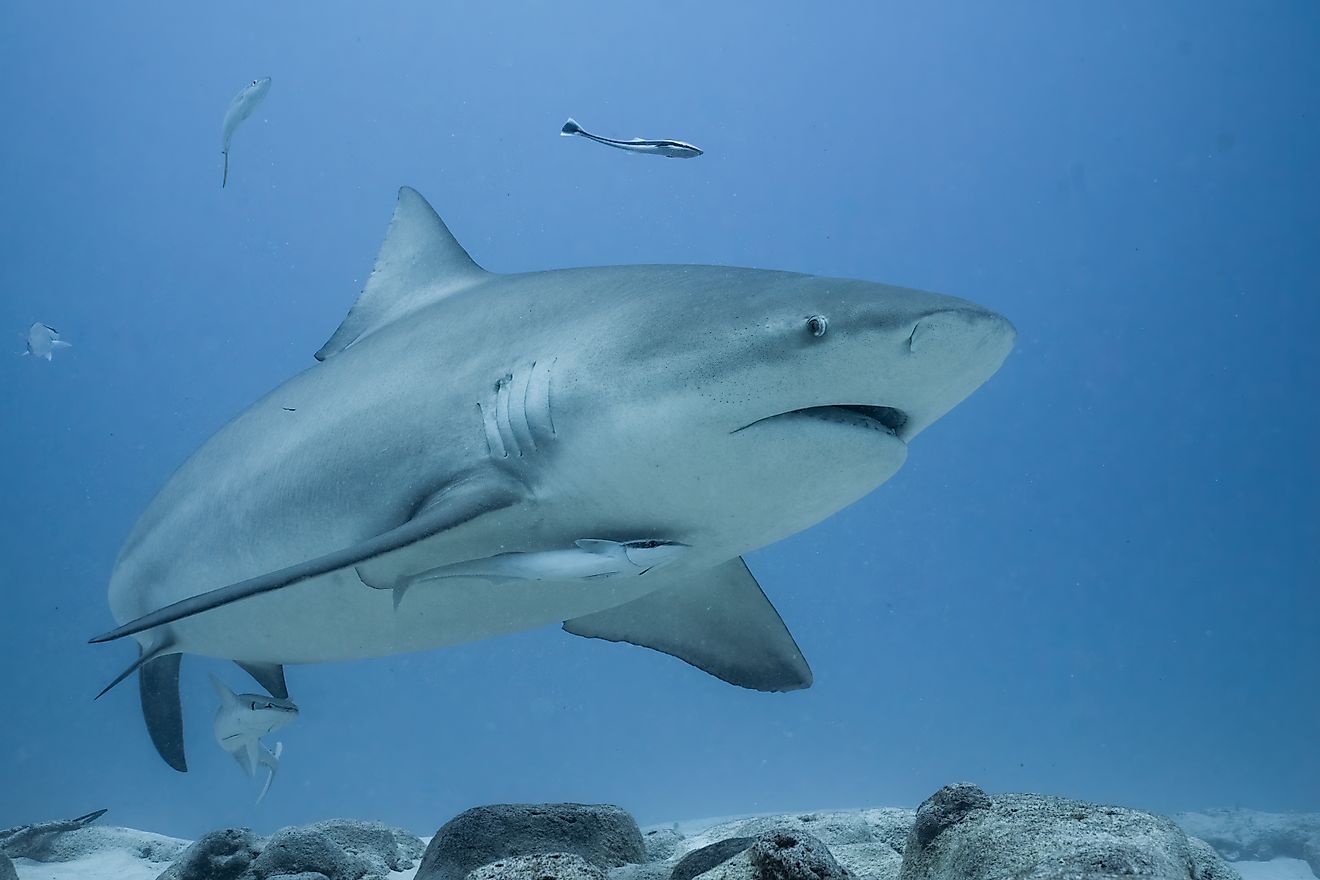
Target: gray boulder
point(543, 866)
point(91, 840)
point(701, 860)
point(7, 871)
point(220, 855)
point(1252, 835)
point(793, 855)
point(869, 843)
point(384, 848)
point(661, 843)
point(605, 836)
point(960, 832)
point(304, 850)
point(36, 840)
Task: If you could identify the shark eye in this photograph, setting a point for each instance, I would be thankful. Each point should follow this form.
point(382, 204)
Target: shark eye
point(817, 325)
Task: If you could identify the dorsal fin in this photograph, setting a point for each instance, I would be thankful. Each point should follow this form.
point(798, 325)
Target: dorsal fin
point(419, 263)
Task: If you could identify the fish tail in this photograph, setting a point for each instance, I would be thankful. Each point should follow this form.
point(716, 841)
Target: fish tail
point(570, 128)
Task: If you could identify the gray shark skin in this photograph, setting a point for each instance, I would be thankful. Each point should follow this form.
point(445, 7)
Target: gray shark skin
point(460, 415)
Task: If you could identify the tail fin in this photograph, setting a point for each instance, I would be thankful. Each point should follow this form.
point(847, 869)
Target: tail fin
point(570, 128)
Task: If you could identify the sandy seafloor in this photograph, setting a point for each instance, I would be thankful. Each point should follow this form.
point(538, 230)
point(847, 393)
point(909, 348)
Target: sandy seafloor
point(121, 865)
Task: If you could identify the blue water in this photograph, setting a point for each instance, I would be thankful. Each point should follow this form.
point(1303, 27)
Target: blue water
point(1097, 577)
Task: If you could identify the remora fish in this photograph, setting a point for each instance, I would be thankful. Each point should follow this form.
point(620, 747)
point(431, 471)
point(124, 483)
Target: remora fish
point(587, 559)
point(240, 109)
point(669, 149)
point(458, 415)
point(240, 723)
point(42, 340)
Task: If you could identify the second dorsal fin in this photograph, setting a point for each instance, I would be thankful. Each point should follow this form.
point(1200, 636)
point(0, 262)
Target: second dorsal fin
point(419, 263)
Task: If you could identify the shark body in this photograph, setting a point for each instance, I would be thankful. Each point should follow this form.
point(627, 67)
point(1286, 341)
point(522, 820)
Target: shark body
point(471, 424)
point(241, 720)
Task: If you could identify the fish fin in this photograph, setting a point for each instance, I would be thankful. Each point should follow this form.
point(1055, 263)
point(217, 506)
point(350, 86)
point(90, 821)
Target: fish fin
point(398, 588)
point(453, 506)
point(88, 819)
point(268, 675)
point(227, 697)
point(60, 343)
point(225, 177)
point(719, 622)
point(273, 762)
point(419, 263)
point(246, 756)
point(570, 128)
point(158, 684)
point(46, 355)
point(144, 657)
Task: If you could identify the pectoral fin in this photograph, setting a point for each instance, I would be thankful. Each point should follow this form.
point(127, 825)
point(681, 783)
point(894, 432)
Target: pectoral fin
point(247, 757)
point(719, 621)
point(158, 684)
point(454, 506)
point(268, 675)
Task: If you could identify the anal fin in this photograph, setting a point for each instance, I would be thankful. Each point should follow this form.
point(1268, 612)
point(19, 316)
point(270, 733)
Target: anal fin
point(718, 621)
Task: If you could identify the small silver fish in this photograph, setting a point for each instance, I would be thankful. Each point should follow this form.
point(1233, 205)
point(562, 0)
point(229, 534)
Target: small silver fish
point(668, 149)
point(240, 109)
point(240, 723)
point(42, 340)
point(589, 559)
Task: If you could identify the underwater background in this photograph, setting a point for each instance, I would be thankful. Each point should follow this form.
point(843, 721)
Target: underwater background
point(1097, 577)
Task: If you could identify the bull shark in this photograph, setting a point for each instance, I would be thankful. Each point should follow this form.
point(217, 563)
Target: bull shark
point(42, 341)
point(462, 422)
point(242, 720)
point(239, 110)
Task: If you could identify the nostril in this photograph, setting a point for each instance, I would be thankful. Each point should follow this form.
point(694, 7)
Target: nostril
point(956, 329)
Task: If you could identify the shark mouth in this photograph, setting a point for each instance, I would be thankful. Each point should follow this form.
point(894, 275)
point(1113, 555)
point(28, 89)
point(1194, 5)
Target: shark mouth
point(886, 419)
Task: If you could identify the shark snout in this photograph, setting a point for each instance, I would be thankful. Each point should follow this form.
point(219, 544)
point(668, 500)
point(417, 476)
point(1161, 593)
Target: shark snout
point(972, 333)
point(950, 353)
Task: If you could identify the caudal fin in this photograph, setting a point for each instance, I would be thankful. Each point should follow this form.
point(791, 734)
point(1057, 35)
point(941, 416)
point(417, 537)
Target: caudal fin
point(570, 128)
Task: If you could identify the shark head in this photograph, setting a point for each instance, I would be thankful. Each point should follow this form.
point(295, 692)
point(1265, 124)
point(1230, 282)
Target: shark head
point(243, 717)
point(266, 714)
point(798, 394)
